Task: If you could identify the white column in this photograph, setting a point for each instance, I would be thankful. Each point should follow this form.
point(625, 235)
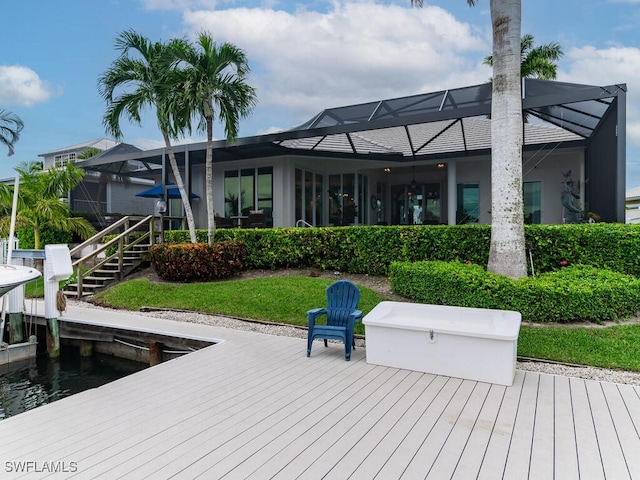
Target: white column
point(452, 192)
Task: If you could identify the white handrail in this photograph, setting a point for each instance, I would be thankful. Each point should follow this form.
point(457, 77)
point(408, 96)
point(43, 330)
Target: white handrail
point(302, 223)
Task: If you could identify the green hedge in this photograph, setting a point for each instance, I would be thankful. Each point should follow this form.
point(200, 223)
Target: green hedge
point(371, 249)
point(48, 236)
point(578, 293)
point(197, 262)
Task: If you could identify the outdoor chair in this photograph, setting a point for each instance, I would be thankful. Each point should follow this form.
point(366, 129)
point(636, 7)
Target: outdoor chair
point(257, 219)
point(223, 222)
point(341, 316)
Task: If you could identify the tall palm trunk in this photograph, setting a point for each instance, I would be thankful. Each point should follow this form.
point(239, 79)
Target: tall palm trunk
point(183, 193)
point(209, 181)
point(507, 251)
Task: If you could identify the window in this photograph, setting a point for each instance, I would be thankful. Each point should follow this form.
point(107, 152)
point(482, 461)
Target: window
point(343, 209)
point(468, 203)
point(61, 160)
point(249, 189)
point(309, 187)
point(532, 195)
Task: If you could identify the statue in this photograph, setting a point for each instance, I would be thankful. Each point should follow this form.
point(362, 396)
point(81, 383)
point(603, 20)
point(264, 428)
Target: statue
point(571, 213)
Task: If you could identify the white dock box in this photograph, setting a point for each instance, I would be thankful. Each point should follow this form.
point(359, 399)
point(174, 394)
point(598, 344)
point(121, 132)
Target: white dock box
point(470, 343)
point(57, 262)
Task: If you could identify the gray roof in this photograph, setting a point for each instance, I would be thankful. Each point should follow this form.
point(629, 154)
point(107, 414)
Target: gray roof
point(431, 125)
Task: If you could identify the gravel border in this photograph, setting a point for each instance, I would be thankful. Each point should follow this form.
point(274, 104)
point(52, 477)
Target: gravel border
point(585, 372)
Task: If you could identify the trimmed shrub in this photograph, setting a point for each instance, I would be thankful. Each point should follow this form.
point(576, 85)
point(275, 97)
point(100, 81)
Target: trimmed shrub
point(578, 293)
point(444, 283)
point(371, 249)
point(48, 236)
point(197, 262)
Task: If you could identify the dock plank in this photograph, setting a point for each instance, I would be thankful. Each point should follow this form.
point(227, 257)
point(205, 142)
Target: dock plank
point(447, 458)
point(543, 443)
point(587, 444)
point(255, 407)
point(472, 455)
point(613, 460)
point(497, 450)
point(624, 426)
point(565, 462)
point(422, 429)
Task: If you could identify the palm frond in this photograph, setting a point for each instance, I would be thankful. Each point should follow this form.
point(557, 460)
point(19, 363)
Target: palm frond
point(10, 127)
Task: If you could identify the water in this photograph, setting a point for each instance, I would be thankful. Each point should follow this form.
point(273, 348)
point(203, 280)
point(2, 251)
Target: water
point(29, 384)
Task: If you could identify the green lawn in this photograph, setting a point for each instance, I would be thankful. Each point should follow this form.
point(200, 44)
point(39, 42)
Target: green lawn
point(286, 300)
point(276, 299)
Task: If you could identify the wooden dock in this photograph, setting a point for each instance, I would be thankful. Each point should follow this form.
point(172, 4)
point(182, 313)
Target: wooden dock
point(254, 407)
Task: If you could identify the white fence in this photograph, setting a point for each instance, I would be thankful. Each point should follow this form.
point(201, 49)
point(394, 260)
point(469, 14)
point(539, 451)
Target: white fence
point(4, 247)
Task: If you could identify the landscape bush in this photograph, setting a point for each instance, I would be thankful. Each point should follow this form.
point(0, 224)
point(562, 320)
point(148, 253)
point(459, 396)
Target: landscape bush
point(575, 293)
point(371, 249)
point(197, 262)
point(48, 236)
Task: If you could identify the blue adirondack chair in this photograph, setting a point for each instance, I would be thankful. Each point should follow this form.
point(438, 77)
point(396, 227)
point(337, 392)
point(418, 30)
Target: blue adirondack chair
point(341, 316)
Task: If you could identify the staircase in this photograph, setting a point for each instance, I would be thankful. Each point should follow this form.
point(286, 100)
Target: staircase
point(110, 262)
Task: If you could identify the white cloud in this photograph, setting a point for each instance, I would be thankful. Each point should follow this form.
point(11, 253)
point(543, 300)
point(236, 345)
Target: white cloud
point(609, 66)
point(22, 86)
point(633, 132)
point(356, 51)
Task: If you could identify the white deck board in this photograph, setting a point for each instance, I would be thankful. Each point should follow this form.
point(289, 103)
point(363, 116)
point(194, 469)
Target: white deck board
point(565, 450)
point(614, 462)
point(625, 428)
point(543, 445)
point(447, 459)
point(255, 407)
point(471, 458)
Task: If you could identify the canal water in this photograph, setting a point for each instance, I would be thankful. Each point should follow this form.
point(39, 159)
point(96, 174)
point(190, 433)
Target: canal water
point(31, 383)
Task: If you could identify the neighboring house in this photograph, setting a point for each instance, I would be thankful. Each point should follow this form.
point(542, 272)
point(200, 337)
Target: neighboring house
point(633, 205)
point(102, 193)
point(62, 156)
point(423, 159)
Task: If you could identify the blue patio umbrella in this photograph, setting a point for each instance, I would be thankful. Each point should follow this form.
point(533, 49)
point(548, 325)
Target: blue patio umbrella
point(156, 192)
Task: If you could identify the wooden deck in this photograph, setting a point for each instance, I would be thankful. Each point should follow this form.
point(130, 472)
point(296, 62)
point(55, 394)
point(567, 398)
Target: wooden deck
point(254, 407)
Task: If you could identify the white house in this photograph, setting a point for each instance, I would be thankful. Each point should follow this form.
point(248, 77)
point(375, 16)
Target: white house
point(422, 159)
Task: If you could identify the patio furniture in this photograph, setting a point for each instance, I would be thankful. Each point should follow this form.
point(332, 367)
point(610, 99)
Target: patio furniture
point(257, 219)
point(223, 222)
point(341, 316)
point(239, 221)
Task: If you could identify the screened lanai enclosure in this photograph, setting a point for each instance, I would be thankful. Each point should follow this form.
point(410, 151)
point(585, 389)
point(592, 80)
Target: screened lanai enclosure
point(421, 159)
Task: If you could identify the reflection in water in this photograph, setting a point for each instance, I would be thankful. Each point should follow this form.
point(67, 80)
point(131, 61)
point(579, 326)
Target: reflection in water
point(31, 383)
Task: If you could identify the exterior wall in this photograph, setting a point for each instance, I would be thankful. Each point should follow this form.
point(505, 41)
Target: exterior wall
point(542, 165)
point(548, 169)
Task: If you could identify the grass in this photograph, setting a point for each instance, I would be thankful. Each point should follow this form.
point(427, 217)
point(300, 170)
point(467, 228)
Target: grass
point(286, 300)
point(34, 288)
point(276, 299)
point(615, 347)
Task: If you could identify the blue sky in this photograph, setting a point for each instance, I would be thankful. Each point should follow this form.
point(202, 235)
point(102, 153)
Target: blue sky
point(305, 56)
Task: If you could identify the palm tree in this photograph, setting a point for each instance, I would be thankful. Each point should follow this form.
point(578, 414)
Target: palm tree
point(216, 84)
point(507, 250)
point(155, 81)
point(41, 201)
point(10, 128)
point(536, 62)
